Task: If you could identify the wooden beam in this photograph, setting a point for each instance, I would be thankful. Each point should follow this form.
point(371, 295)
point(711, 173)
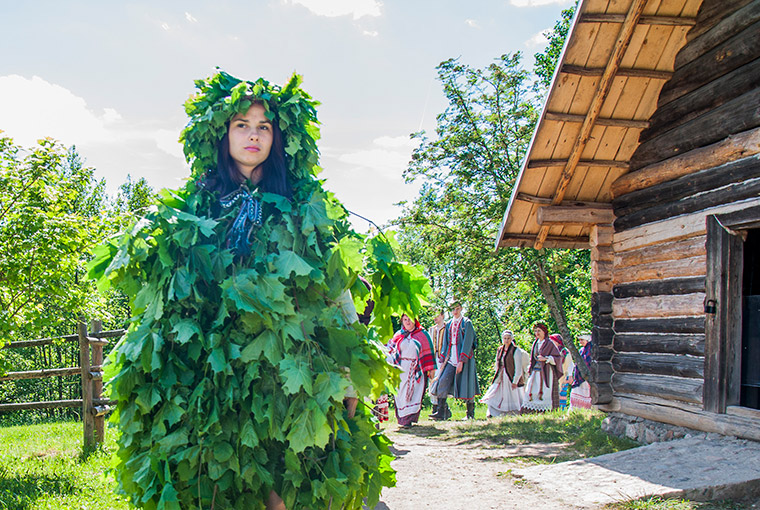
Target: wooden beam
point(738, 114)
point(525, 197)
point(521, 240)
point(684, 415)
point(673, 21)
point(677, 268)
point(53, 404)
point(727, 28)
point(730, 54)
point(702, 100)
point(604, 163)
point(683, 249)
point(649, 307)
point(20, 344)
point(732, 148)
point(674, 343)
point(39, 374)
point(669, 325)
point(663, 386)
point(699, 201)
point(674, 229)
point(601, 121)
point(676, 365)
point(669, 287)
point(574, 215)
point(595, 108)
point(628, 72)
point(601, 235)
point(707, 180)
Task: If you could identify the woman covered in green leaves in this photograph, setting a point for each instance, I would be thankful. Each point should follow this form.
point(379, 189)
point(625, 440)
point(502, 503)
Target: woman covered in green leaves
point(244, 341)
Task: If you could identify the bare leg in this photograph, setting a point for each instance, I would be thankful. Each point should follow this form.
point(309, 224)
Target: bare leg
point(275, 502)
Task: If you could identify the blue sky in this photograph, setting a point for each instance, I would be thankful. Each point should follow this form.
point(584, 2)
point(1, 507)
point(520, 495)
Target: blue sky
point(111, 77)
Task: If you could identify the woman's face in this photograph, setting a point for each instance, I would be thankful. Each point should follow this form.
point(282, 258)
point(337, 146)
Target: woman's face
point(539, 333)
point(506, 338)
point(250, 136)
point(407, 323)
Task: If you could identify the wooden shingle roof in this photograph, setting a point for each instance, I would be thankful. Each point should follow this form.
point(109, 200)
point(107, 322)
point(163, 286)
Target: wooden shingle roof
point(618, 55)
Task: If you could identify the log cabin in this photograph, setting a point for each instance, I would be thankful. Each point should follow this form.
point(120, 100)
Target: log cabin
point(647, 152)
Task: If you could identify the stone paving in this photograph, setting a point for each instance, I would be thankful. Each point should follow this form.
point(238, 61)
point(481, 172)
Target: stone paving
point(698, 467)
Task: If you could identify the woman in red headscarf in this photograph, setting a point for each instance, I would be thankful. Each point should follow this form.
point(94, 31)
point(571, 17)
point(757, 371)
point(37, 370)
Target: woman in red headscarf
point(412, 351)
point(542, 390)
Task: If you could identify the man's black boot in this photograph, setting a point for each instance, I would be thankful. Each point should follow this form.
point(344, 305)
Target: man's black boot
point(441, 412)
point(435, 410)
point(470, 410)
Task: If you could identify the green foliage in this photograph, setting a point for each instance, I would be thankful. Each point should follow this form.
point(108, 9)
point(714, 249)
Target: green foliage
point(221, 96)
point(231, 377)
point(52, 211)
point(49, 205)
point(134, 197)
point(547, 61)
point(468, 171)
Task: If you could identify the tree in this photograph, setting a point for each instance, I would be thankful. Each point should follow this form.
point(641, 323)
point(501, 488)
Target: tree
point(52, 212)
point(546, 61)
point(49, 210)
point(468, 171)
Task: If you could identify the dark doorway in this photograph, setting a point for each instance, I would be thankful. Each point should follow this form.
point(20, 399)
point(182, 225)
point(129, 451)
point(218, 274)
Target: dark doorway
point(750, 378)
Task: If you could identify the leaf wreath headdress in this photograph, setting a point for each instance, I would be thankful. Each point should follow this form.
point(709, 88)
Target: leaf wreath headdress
point(221, 96)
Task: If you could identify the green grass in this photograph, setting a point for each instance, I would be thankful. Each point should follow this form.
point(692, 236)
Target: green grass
point(658, 503)
point(42, 467)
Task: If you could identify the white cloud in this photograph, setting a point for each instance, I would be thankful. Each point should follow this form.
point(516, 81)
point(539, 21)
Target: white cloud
point(371, 33)
point(189, 17)
point(536, 40)
point(537, 3)
point(472, 23)
point(168, 141)
point(395, 142)
point(165, 26)
point(333, 8)
point(33, 109)
point(388, 157)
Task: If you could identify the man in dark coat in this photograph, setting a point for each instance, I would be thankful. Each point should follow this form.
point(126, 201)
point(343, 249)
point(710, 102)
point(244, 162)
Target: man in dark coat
point(458, 376)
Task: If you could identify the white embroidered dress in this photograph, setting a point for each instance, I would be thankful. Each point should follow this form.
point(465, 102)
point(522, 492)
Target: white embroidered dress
point(409, 396)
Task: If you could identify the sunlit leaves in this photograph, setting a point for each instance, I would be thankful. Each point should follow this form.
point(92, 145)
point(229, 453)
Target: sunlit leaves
point(249, 360)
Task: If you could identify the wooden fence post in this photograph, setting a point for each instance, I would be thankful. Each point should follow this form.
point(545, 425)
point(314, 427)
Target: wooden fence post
point(97, 380)
point(84, 363)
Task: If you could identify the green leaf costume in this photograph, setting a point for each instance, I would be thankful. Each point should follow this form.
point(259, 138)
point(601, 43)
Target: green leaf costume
point(231, 378)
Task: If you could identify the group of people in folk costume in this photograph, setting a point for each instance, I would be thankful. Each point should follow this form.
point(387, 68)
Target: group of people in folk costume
point(539, 381)
point(522, 383)
point(443, 356)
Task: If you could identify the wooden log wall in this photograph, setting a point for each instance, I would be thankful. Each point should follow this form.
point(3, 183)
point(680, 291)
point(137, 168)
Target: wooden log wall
point(600, 238)
point(700, 155)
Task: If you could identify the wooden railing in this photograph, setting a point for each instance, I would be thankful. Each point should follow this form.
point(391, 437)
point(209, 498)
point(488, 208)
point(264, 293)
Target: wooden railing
point(90, 369)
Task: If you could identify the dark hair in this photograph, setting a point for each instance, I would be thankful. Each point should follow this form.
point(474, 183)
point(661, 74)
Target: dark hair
point(226, 178)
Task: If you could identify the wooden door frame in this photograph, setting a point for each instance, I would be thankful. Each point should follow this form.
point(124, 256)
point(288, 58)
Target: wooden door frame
point(723, 329)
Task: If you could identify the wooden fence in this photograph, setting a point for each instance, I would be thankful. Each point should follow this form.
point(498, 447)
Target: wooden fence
point(90, 369)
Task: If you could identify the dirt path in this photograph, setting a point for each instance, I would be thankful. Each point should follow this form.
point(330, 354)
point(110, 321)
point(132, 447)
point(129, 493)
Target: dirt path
point(451, 474)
